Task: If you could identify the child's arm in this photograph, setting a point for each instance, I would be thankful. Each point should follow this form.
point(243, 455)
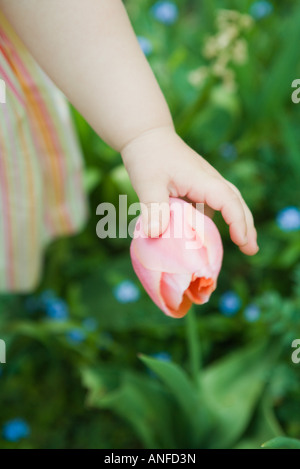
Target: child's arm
point(90, 51)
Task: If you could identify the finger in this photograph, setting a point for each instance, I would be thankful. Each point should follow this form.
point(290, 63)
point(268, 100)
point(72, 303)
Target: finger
point(219, 196)
point(155, 208)
point(251, 247)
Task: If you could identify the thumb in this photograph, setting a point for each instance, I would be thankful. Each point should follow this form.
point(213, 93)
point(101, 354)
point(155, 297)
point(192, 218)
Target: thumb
point(155, 210)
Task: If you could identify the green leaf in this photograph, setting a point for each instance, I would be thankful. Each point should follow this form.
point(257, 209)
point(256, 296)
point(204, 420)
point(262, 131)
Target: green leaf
point(233, 386)
point(283, 69)
point(282, 442)
point(130, 404)
point(186, 395)
point(138, 400)
point(177, 382)
point(263, 427)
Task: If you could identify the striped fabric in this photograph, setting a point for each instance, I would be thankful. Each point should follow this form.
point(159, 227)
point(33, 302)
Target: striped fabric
point(41, 193)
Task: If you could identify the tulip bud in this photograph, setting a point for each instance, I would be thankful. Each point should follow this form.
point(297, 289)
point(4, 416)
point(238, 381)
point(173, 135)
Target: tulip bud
point(181, 266)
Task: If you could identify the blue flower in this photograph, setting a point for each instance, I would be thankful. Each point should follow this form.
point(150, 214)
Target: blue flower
point(57, 309)
point(165, 12)
point(145, 45)
point(76, 336)
point(162, 356)
point(288, 219)
point(228, 151)
point(230, 303)
point(252, 312)
point(15, 430)
point(126, 292)
point(260, 10)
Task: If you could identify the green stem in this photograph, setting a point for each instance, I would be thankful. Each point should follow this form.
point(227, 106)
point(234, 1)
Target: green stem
point(193, 345)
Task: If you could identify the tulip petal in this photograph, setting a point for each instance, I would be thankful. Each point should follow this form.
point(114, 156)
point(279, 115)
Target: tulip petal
point(183, 249)
point(151, 281)
point(182, 265)
point(161, 288)
point(200, 289)
point(172, 288)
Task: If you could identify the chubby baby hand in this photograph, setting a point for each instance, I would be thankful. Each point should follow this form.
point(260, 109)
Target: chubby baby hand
point(160, 164)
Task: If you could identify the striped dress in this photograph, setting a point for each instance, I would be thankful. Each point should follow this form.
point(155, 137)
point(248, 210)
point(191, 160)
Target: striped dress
point(41, 191)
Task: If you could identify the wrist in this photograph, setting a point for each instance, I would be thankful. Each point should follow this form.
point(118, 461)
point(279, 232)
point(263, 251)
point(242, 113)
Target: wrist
point(147, 140)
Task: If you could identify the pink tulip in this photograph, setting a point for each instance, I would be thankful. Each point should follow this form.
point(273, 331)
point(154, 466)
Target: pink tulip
point(178, 269)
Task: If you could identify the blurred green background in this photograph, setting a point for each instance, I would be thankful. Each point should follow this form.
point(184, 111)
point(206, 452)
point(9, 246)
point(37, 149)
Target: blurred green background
point(91, 361)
